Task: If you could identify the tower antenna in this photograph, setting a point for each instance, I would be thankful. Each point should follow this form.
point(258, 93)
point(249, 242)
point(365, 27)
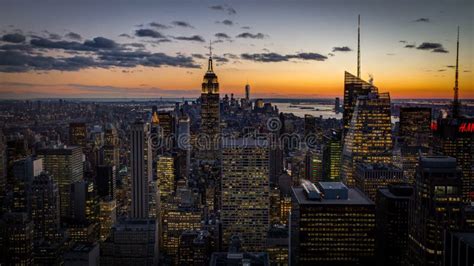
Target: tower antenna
point(456, 89)
point(358, 48)
point(209, 66)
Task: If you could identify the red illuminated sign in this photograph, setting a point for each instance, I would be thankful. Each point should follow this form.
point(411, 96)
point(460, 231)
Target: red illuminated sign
point(434, 126)
point(466, 127)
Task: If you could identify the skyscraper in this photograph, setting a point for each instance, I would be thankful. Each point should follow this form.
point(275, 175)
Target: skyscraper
point(415, 137)
point(184, 146)
point(194, 248)
point(65, 166)
point(165, 177)
point(392, 223)
point(247, 92)
point(369, 139)
point(332, 150)
point(210, 114)
point(77, 134)
point(111, 147)
point(370, 177)
point(105, 181)
point(131, 242)
point(245, 192)
point(353, 88)
point(331, 225)
point(415, 126)
point(45, 208)
point(455, 137)
point(16, 239)
point(314, 165)
point(435, 207)
point(140, 159)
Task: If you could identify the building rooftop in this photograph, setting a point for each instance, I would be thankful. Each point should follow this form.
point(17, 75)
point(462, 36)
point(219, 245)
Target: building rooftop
point(397, 191)
point(240, 258)
point(354, 196)
point(437, 162)
point(378, 167)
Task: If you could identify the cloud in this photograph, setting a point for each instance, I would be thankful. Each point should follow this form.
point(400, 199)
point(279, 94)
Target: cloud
point(183, 24)
point(125, 35)
point(80, 89)
point(410, 46)
point(65, 45)
point(440, 50)
point(441, 70)
point(217, 7)
point(74, 36)
point(308, 56)
point(159, 25)
point(53, 36)
point(231, 11)
point(220, 59)
point(221, 35)
point(99, 52)
point(226, 22)
point(149, 33)
point(434, 47)
point(402, 41)
point(422, 20)
point(101, 43)
point(245, 28)
point(275, 57)
point(341, 49)
point(228, 9)
point(331, 54)
point(231, 56)
point(13, 61)
point(13, 38)
point(249, 35)
point(194, 38)
point(450, 66)
point(198, 56)
point(135, 45)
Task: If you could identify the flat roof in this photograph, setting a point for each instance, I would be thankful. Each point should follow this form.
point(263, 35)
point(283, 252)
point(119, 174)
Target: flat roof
point(332, 185)
point(355, 197)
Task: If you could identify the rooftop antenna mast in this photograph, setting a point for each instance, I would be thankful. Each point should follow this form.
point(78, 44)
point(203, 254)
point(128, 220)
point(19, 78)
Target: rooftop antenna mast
point(456, 89)
point(358, 48)
point(209, 66)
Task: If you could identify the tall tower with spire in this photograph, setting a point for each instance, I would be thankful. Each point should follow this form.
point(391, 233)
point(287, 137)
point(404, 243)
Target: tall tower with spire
point(210, 113)
point(354, 87)
point(456, 89)
point(454, 136)
point(358, 48)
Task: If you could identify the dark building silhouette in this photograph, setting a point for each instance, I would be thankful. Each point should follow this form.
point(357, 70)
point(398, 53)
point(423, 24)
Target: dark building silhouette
point(392, 223)
point(458, 248)
point(105, 181)
point(434, 208)
point(194, 248)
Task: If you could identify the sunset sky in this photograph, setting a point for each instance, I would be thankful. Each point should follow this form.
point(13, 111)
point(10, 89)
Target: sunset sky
point(285, 49)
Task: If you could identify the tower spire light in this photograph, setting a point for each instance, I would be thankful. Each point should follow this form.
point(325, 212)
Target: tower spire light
point(456, 89)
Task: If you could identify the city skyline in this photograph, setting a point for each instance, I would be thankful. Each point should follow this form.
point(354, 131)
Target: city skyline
point(160, 49)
